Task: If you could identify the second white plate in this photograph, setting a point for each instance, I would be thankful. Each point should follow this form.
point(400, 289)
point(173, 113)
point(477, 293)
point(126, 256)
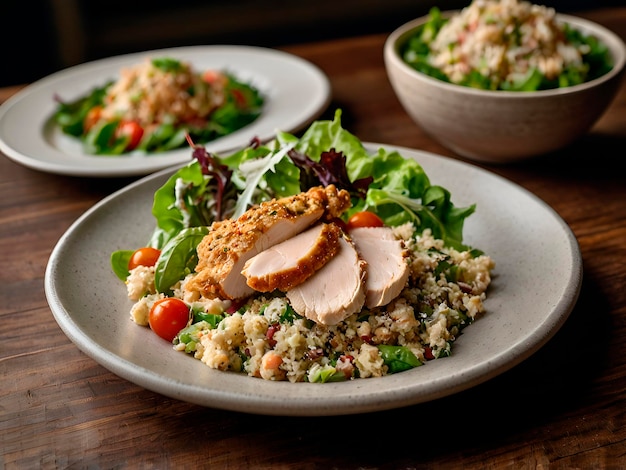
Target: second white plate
point(296, 92)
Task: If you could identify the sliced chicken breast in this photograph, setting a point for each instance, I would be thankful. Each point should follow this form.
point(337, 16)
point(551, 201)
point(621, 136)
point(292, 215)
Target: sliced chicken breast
point(223, 252)
point(387, 267)
point(334, 292)
point(290, 263)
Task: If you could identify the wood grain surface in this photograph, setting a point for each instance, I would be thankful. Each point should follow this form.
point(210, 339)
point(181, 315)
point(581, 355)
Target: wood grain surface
point(565, 407)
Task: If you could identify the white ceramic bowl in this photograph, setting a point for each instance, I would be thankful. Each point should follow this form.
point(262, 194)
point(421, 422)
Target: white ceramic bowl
point(503, 126)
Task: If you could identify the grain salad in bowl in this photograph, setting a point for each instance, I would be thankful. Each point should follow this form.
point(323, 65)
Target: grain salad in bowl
point(504, 81)
point(153, 105)
point(306, 260)
point(509, 45)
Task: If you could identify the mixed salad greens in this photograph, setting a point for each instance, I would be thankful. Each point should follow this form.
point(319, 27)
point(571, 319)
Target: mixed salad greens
point(212, 188)
point(240, 104)
point(596, 60)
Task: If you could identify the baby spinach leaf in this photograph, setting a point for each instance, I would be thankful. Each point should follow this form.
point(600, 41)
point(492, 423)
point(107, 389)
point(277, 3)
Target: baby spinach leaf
point(119, 263)
point(398, 358)
point(213, 319)
point(178, 258)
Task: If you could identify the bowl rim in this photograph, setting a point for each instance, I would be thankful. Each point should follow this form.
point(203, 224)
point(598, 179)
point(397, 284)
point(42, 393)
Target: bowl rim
point(615, 44)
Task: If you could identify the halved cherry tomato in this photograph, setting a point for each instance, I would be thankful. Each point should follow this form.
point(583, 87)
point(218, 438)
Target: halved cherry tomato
point(364, 219)
point(168, 316)
point(132, 130)
point(146, 256)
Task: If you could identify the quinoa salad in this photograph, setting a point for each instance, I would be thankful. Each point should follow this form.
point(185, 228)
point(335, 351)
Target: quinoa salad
point(265, 338)
point(155, 104)
point(341, 280)
point(506, 45)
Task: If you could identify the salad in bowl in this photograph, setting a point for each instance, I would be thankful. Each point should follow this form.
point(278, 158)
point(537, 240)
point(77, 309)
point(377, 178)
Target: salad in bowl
point(502, 81)
point(511, 45)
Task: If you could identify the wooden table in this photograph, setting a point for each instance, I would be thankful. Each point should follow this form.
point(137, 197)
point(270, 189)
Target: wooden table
point(565, 407)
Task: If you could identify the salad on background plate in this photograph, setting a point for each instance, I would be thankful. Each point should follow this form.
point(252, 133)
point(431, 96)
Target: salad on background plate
point(511, 45)
point(155, 104)
point(277, 90)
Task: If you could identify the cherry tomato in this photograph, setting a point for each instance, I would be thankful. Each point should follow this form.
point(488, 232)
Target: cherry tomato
point(132, 130)
point(364, 219)
point(214, 77)
point(146, 256)
point(168, 316)
point(240, 98)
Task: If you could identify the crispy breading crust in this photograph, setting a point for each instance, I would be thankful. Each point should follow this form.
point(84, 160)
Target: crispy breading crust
point(325, 247)
point(229, 240)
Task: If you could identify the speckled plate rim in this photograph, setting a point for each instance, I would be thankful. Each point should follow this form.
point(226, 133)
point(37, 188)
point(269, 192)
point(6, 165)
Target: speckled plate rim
point(536, 284)
point(296, 92)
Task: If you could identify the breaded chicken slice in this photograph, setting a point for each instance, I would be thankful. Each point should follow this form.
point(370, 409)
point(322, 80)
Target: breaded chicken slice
point(290, 263)
point(224, 251)
point(387, 267)
point(334, 292)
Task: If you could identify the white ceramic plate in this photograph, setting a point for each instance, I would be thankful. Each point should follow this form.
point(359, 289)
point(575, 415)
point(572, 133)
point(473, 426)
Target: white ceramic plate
point(536, 284)
point(296, 91)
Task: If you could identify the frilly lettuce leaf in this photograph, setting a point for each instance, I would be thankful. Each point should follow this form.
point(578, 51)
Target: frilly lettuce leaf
point(400, 191)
